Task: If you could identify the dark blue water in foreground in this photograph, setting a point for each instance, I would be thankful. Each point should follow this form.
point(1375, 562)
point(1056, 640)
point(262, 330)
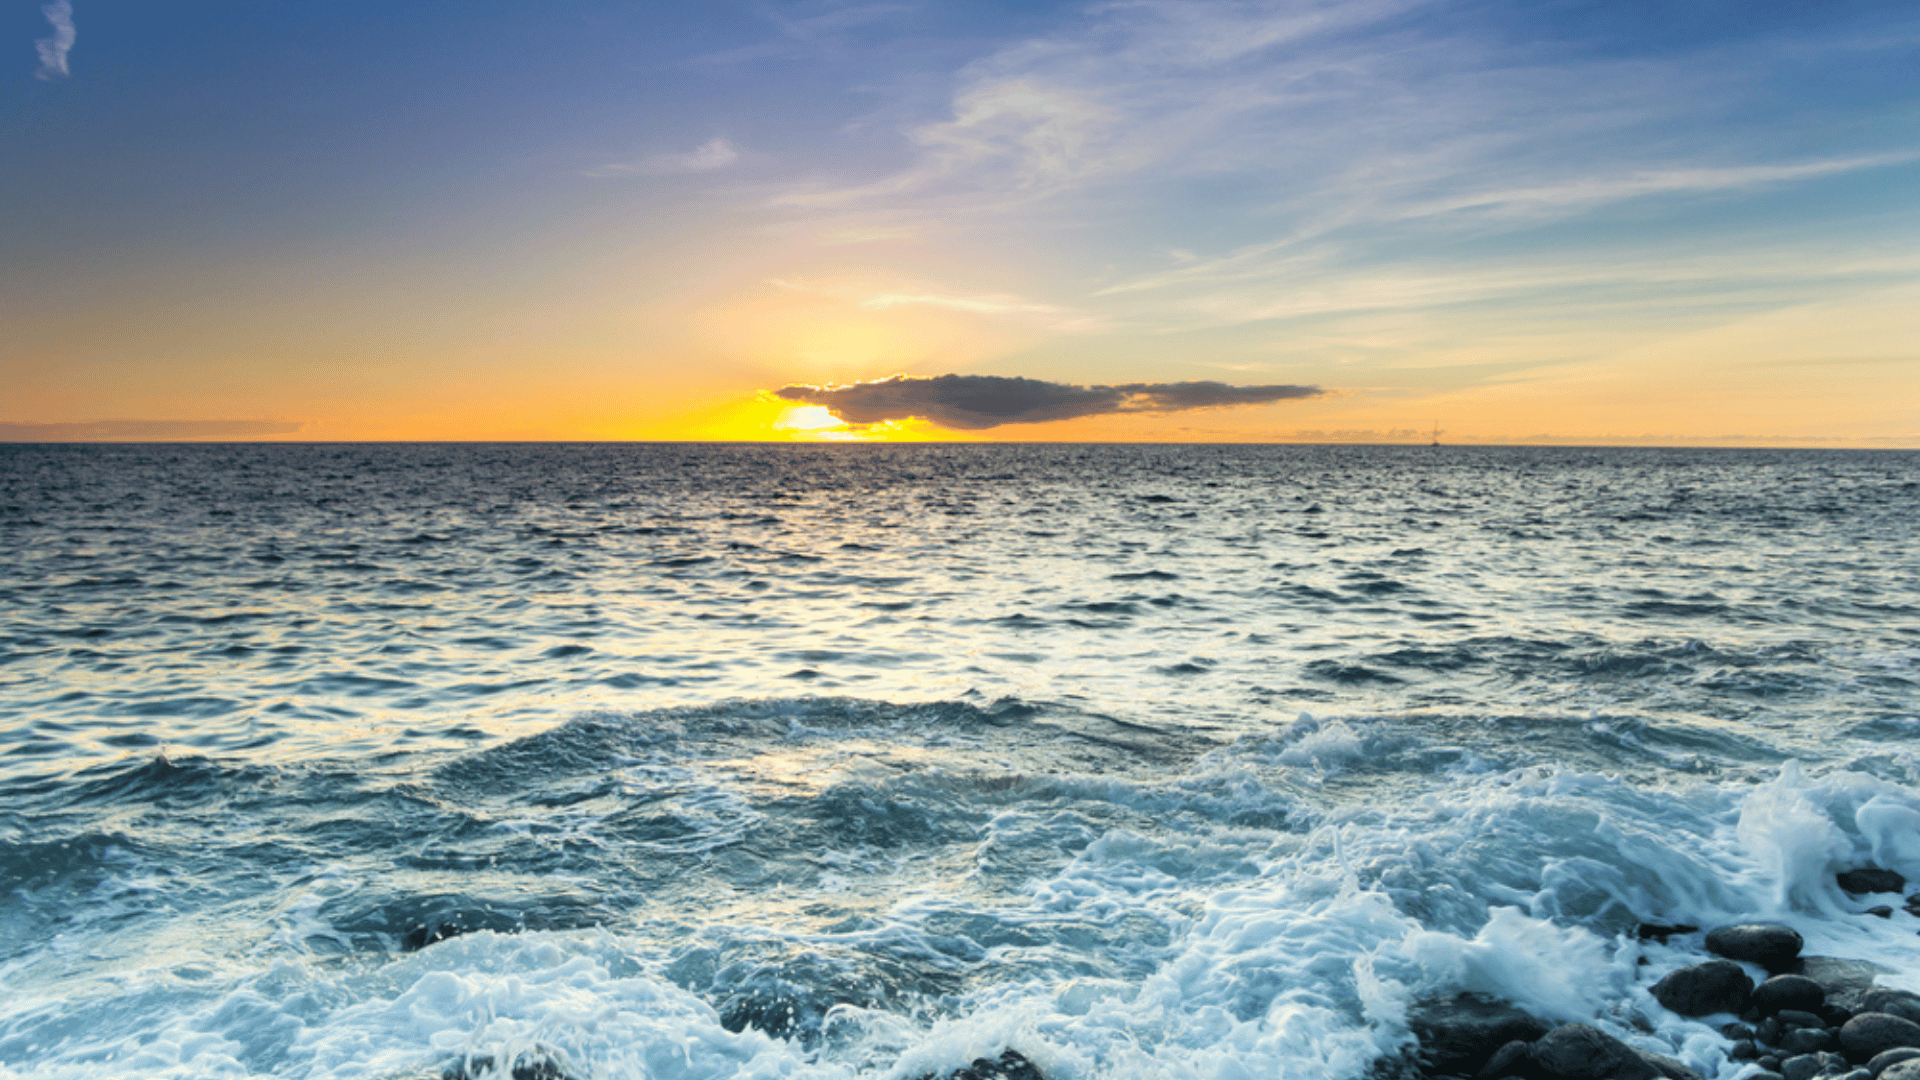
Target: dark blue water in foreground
point(865, 761)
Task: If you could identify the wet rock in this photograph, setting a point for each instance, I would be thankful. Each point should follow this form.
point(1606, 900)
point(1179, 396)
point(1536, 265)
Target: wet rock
point(1857, 1074)
point(1886, 1059)
point(1904, 1069)
point(1870, 1033)
point(1770, 1030)
point(1769, 1062)
point(1459, 1035)
point(1744, 1050)
point(1580, 1052)
point(1770, 945)
point(1660, 932)
point(1010, 1065)
point(1736, 1032)
point(1898, 1002)
point(1795, 1018)
point(1669, 1068)
point(1789, 992)
point(1847, 982)
point(527, 1066)
point(1766, 1074)
point(1716, 986)
point(1803, 1067)
point(1514, 1059)
point(1805, 1040)
point(1871, 879)
point(1880, 912)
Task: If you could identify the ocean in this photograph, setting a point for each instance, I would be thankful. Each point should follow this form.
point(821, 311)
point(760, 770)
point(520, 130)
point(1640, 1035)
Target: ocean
point(817, 761)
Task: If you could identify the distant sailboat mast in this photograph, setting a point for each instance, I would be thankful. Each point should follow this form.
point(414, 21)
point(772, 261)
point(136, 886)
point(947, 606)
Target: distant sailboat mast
point(1436, 433)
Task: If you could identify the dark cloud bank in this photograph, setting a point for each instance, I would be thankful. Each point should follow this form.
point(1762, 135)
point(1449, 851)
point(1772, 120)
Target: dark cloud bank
point(145, 430)
point(977, 402)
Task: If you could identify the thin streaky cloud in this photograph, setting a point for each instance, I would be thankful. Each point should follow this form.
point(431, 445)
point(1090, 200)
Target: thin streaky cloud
point(53, 50)
point(713, 154)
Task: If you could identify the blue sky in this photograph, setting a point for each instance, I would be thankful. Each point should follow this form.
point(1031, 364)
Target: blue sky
point(600, 219)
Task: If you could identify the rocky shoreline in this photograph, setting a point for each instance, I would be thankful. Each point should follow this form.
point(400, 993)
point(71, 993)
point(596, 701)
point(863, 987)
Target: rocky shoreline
point(1812, 1018)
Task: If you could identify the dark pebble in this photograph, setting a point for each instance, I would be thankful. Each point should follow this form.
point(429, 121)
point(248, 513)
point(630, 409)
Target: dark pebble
point(1898, 1002)
point(1736, 1032)
point(1769, 1031)
point(1789, 992)
point(1887, 1059)
point(1766, 1074)
point(1458, 1035)
point(1717, 986)
point(532, 1067)
point(1804, 1040)
point(1581, 1052)
point(1770, 945)
point(1010, 1065)
point(1744, 1050)
point(1768, 1061)
point(1803, 1067)
point(1881, 912)
point(1870, 879)
point(1660, 933)
point(1870, 1033)
point(1513, 1059)
point(1794, 1018)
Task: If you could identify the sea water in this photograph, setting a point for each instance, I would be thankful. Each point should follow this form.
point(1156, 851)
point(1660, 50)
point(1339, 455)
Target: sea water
point(688, 761)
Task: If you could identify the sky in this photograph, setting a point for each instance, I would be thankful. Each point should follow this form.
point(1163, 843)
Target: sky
point(1685, 222)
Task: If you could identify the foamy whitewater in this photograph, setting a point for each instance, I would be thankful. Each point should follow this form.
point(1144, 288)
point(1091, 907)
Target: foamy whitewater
point(831, 762)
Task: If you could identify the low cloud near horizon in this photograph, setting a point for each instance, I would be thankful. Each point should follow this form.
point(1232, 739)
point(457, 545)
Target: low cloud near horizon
point(146, 430)
point(978, 402)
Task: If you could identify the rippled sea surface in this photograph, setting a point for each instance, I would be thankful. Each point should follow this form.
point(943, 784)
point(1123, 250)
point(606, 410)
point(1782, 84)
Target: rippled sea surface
point(836, 761)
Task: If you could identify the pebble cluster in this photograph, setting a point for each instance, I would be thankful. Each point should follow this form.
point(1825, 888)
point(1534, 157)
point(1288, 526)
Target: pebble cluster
point(1813, 1018)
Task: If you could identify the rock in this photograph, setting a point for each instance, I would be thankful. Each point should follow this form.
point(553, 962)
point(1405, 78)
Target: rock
point(1887, 1059)
point(1010, 1065)
point(1900, 1003)
point(1716, 986)
point(1904, 1069)
point(1580, 1052)
point(1857, 1074)
point(526, 1066)
point(1805, 1040)
point(1770, 945)
point(1770, 1030)
point(1795, 992)
point(1769, 1062)
point(1744, 1050)
point(1880, 912)
point(1795, 1018)
point(1459, 1035)
point(1736, 1032)
point(1871, 879)
point(1513, 1059)
point(1766, 1074)
point(1804, 1067)
point(1847, 982)
point(1660, 933)
point(1668, 1067)
point(1870, 1033)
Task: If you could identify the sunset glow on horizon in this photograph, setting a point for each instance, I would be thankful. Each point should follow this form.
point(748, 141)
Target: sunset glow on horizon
point(1598, 222)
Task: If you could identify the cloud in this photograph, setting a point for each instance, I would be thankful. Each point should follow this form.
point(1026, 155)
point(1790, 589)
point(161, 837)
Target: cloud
point(978, 402)
point(145, 430)
point(53, 50)
point(710, 155)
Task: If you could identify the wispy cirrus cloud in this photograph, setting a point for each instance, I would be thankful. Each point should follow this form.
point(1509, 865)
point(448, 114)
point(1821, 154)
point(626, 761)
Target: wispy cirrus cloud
point(53, 50)
point(717, 153)
point(1315, 152)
